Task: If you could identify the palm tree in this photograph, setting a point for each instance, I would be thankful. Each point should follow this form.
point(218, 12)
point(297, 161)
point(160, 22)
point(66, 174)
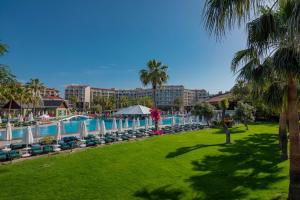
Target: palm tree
point(124, 101)
point(23, 97)
point(156, 75)
point(224, 105)
point(35, 86)
point(220, 16)
point(269, 31)
point(10, 93)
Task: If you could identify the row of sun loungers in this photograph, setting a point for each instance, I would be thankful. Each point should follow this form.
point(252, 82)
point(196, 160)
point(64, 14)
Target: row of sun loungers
point(72, 142)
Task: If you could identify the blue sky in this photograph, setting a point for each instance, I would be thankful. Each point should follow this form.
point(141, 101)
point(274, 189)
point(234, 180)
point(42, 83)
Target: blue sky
point(105, 43)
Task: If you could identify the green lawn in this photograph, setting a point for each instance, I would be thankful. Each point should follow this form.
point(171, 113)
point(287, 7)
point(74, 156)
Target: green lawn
point(193, 165)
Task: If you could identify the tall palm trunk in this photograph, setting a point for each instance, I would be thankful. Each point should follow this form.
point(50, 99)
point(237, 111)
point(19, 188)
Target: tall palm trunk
point(9, 109)
point(294, 187)
point(283, 134)
point(154, 95)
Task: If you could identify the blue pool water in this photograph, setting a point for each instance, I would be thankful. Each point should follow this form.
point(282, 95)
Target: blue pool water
point(71, 127)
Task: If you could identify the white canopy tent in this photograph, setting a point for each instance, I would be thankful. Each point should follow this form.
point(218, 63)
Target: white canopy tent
point(134, 110)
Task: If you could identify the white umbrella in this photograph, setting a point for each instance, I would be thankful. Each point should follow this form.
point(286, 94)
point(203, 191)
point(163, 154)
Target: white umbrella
point(184, 121)
point(126, 123)
point(58, 132)
point(219, 116)
point(146, 123)
point(150, 121)
point(97, 125)
point(197, 119)
point(28, 137)
point(37, 130)
point(133, 124)
point(102, 128)
point(173, 121)
point(83, 129)
point(62, 127)
point(0, 120)
point(114, 124)
point(31, 117)
point(120, 128)
point(138, 124)
point(21, 119)
point(190, 120)
point(8, 132)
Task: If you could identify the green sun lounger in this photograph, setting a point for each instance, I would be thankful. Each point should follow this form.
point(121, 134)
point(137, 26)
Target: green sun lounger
point(3, 156)
point(13, 154)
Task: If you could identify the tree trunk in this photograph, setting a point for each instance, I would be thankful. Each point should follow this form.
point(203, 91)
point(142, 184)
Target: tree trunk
point(225, 127)
point(9, 108)
point(246, 125)
point(283, 135)
point(294, 187)
point(156, 126)
point(154, 95)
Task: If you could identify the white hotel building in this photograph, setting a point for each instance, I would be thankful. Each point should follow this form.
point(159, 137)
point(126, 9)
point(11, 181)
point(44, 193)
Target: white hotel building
point(165, 95)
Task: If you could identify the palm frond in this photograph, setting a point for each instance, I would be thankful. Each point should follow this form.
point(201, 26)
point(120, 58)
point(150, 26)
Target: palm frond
point(222, 14)
point(242, 57)
point(286, 61)
point(264, 31)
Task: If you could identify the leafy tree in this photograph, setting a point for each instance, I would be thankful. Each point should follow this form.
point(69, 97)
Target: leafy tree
point(241, 91)
point(156, 75)
point(244, 113)
point(204, 109)
point(224, 105)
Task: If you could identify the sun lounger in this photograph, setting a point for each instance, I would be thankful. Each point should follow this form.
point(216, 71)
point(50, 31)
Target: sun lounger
point(3, 156)
point(36, 149)
point(13, 154)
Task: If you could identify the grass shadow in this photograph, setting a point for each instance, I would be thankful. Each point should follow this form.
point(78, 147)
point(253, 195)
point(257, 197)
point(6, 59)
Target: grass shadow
point(233, 130)
point(248, 164)
point(184, 150)
point(164, 192)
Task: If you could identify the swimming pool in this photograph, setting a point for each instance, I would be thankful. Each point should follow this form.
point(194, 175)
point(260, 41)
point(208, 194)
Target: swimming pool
point(72, 127)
